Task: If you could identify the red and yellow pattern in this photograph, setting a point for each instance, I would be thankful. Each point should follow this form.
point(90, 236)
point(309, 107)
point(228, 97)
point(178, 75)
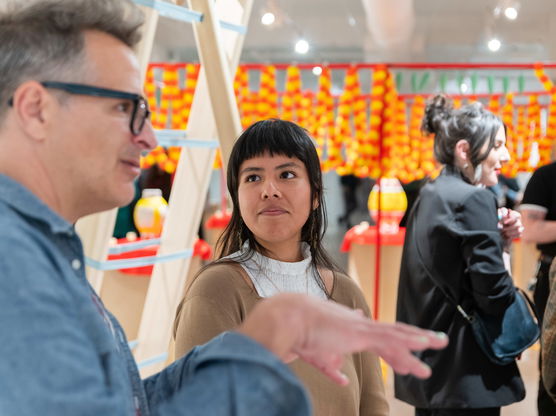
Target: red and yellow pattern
point(292, 94)
point(377, 112)
point(550, 138)
point(367, 135)
point(511, 168)
point(323, 129)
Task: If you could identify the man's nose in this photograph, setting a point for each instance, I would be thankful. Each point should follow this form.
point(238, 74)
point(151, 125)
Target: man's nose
point(147, 138)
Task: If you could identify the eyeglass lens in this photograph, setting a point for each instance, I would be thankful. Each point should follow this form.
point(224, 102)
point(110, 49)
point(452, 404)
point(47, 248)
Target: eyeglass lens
point(139, 116)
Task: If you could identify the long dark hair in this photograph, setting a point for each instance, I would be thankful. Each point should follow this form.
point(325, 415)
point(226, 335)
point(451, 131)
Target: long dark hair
point(277, 137)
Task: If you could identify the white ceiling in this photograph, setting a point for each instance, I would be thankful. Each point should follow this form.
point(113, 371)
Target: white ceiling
point(445, 30)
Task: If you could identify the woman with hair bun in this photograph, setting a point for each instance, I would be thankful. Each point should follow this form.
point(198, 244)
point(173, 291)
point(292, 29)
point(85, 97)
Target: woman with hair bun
point(457, 244)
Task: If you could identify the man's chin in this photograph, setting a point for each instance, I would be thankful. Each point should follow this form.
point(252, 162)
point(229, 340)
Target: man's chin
point(121, 198)
point(124, 200)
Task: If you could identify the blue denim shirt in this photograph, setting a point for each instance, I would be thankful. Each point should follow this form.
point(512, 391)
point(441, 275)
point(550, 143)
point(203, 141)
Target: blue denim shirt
point(62, 353)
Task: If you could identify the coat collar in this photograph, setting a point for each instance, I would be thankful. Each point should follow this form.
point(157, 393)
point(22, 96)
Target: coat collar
point(20, 199)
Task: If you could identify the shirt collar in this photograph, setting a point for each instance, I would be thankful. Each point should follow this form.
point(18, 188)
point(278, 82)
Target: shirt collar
point(20, 199)
point(281, 267)
point(450, 170)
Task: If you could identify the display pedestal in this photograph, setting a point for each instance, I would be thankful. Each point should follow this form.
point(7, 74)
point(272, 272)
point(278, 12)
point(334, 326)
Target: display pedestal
point(124, 291)
point(524, 262)
point(360, 242)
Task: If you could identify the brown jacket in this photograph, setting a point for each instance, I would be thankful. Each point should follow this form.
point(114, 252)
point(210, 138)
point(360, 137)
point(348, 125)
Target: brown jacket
point(220, 298)
point(548, 337)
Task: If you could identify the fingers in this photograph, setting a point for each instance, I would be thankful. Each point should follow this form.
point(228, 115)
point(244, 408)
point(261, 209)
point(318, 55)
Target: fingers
point(409, 364)
point(419, 339)
point(435, 341)
point(410, 339)
point(512, 218)
point(326, 331)
point(510, 224)
point(337, 376)
point(330, 365)
point(290, 357)
point(513, 232)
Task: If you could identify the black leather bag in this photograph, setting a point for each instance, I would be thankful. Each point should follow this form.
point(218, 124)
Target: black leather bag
point(502, 339)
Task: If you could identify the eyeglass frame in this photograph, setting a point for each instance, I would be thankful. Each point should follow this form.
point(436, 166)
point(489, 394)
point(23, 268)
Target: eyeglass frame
point(84, 89)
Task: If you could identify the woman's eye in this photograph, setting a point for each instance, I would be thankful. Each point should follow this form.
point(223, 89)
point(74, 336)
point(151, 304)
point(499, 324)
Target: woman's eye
point(287, 175)
point(252, 178)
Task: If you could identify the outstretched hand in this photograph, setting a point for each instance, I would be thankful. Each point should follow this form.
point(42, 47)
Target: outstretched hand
point(322, 333)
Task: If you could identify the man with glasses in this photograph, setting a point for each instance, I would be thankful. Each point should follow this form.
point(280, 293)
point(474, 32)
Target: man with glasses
point(73, 124)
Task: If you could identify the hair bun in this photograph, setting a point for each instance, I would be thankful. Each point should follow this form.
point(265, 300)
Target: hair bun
point(438, 109)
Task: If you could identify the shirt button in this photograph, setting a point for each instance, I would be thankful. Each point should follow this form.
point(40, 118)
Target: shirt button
point(76, 264)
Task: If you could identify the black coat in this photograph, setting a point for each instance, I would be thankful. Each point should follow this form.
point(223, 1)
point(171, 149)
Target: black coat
point(455, 227)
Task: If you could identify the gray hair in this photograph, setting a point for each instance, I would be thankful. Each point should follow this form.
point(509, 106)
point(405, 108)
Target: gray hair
point(43, 39)
point(471, 122)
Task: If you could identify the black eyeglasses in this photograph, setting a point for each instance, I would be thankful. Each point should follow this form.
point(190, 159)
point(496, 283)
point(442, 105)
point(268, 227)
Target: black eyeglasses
point(140, 111)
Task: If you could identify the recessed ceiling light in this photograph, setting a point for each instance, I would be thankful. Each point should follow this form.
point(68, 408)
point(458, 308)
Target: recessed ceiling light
point(317, 70)
point(302, 46)
point(510, 13)
point(494, 44)
point(268, 18)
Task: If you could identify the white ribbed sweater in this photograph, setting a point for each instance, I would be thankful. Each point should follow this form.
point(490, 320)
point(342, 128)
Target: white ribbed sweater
point(271, 277)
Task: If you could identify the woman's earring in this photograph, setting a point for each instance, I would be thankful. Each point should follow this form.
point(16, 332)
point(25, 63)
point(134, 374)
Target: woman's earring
point(465, 165)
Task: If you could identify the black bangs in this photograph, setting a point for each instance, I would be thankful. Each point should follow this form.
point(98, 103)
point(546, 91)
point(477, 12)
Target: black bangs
point(273, 137)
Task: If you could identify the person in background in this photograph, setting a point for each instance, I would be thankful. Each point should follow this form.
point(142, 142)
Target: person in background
point(124, 217)
point(412, 190)
point(272, 245)
point(157, 178)
point(538, 209)
point(507, 192)
point(73, 124)
point(349, 185)
point(548, 340)
point(456, 245)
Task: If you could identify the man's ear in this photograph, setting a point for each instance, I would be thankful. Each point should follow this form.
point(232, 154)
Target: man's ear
point(31, 105)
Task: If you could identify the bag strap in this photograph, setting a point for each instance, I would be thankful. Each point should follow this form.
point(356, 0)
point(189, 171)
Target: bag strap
point(459, 308)
point(529, 301)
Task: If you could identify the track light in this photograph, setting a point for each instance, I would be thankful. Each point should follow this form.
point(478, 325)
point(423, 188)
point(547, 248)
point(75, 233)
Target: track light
point(510, 13)
point(268, 18)
point(494, 44)
point(302, 46)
